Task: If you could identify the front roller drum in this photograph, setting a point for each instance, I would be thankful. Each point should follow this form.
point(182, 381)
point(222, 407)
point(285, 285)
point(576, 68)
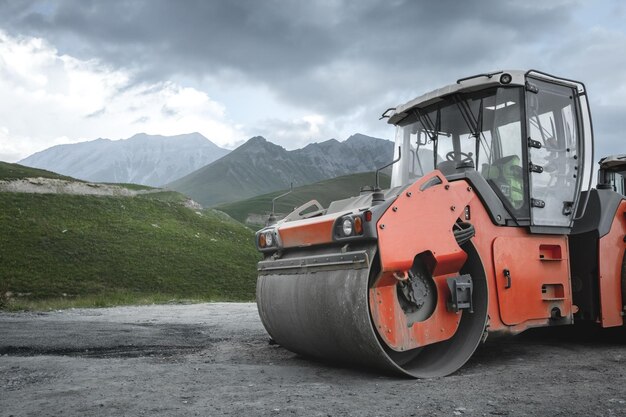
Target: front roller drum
point(318, 304)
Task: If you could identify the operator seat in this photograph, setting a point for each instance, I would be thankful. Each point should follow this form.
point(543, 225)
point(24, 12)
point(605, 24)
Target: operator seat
point(506, 173)
point(447, 167)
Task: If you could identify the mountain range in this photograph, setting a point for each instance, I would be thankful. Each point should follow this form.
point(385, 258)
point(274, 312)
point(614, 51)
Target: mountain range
point(142, 159)
point(193, 165)
point(259, 167)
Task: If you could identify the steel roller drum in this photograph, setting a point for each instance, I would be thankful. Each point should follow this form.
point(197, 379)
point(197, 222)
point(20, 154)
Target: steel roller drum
point(323, 312)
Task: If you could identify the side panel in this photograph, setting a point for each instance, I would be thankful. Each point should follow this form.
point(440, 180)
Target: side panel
point(510, 314)
point(532, 277)
point(419, 222)
point(611, 255)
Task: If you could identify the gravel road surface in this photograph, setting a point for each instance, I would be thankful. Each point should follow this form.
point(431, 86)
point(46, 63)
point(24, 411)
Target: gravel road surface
point(215, 359)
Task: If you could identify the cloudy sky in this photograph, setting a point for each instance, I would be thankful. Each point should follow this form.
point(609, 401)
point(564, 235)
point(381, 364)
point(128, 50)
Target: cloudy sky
point(292, 71)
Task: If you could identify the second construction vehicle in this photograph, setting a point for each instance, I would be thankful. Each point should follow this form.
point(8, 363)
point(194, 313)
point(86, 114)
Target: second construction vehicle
point(490, 226)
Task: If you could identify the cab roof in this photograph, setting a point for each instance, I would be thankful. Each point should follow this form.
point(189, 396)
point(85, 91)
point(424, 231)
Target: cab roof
point(469, 84)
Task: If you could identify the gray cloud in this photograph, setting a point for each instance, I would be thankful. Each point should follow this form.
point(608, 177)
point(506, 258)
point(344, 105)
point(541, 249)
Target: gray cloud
point(140, 120)
point(335, 58)
point(97, 113)
point(326, 55)
point(168, 111)
point(609, 126)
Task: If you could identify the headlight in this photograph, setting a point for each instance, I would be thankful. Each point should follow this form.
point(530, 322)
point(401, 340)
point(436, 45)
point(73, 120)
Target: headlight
point(349, 226)
point(346, 227)
point(266, 240)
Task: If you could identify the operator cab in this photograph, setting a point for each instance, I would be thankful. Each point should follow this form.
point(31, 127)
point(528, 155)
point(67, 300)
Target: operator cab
point(527, 135)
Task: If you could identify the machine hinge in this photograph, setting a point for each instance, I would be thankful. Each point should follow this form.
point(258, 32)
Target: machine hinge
point(534, 143)
point(568, 207)
point(461, 289)
point(531, 87)
point(535, 202)
point(535, 168)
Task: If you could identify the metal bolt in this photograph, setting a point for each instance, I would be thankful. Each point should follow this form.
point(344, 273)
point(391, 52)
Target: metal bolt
point(408, 194)
point(395, 209)
point(469, 189)
point(447, 186)
point(382, 226)
point(452, 208)
point(498, 217)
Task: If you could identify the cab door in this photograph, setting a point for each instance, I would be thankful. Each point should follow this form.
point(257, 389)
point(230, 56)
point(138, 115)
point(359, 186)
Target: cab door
point(555, 162)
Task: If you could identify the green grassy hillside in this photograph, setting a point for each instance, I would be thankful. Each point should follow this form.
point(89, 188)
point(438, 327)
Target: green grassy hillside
point(323, 191)
point(10, 171)
point(61, 250)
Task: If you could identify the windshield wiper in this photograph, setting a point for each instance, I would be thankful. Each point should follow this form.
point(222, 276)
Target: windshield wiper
point(475, 124)
point(427, 124)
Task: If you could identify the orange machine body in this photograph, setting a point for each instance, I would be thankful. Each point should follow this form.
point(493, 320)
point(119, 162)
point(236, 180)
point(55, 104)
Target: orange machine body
point(527, 275)
point(610, 259)
point(536, 291)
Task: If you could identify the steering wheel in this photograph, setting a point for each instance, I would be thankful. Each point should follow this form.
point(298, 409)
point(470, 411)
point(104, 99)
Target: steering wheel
point(451, 156)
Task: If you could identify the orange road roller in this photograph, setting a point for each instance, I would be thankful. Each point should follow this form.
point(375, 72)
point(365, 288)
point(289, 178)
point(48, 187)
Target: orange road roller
point(490, 225)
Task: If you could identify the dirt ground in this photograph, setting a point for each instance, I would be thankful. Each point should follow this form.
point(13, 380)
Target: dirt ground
point(215, 359)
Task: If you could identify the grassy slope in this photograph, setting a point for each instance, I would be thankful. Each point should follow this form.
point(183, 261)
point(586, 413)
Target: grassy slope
point(323, 191)
point(165, 195)
point(130, 186)
point(120, 250)
point(15, 172)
